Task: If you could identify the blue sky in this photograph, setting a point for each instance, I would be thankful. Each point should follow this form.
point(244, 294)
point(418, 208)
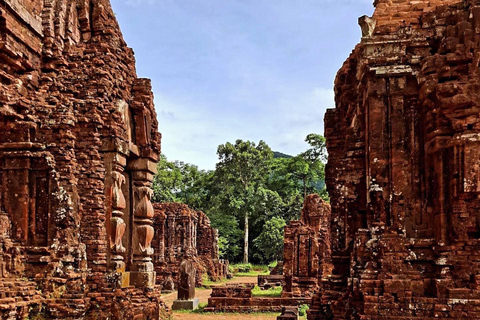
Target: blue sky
point(239, 69)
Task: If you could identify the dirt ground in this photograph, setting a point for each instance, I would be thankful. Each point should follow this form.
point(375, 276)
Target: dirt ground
point(204, 294)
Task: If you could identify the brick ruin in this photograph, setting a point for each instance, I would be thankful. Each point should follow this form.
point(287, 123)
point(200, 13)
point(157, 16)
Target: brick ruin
point(183, 233)
point(306, 255)
point(238, 298)
point(79, 147)
point(403, 171)
point(306, 259)
point(208, 251)
point(78, 150)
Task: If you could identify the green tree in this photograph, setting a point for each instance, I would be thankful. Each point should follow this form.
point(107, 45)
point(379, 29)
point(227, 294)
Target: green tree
point(307, 171)
point(308, 167)
point(269, 243)
point(318, 148)
point(200, 191)
point(167, 182)
point(247, 190)
point(192, 184)
point(230, 234)
point(177, 181)
point(240, 171)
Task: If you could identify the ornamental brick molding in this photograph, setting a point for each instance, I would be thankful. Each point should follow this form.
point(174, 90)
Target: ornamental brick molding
point(182, 233)
point(403, 169)
point(306, 255)
point(78, 149)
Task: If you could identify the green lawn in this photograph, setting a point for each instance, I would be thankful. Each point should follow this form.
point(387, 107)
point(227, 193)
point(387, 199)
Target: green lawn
point(249, 270)
point(272, 292)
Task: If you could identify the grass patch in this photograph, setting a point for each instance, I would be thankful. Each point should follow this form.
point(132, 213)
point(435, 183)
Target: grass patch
point(249, 270)
point(302, 310)
point(261, 268)
point(272, 292)
point(241, 267)
point(203, 305)
point(200, 309)
point(207, 283)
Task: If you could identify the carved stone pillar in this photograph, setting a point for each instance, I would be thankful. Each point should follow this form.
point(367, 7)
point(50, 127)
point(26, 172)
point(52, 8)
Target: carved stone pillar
point(170, 238)
point(189, 237)
point(160, 236)
point(117, 223)
point(142, 274)
point(115, 163)
point(215, 244)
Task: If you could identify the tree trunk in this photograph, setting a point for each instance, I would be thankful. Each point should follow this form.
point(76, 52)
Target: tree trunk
point(245, 243)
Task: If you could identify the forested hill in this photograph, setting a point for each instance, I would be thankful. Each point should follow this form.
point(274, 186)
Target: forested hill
point(277, 155)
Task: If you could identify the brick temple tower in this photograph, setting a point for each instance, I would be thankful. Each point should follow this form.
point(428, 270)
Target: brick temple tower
point(78, 149)
point(404, 167)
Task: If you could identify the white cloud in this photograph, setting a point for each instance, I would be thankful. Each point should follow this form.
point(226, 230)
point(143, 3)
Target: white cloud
point(191, 132)
point(299, 115)
point(240, 69)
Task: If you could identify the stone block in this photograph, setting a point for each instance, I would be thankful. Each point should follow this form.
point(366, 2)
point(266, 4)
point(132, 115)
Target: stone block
point(288, 313)
point(185, 304)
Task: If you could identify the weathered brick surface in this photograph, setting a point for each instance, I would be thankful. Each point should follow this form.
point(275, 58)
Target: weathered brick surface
point(78, 148)
point(183, 233)
point(306, 255)
point(238, 298)
point(403, 167)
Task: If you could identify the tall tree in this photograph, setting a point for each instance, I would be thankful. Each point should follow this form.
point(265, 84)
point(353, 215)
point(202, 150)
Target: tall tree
point(241, 170)
point(269, 243)
point(249, 189)
point(308, 167)
point(307, 171)
point(318, 148)
point(167, 182)
point(177, 181)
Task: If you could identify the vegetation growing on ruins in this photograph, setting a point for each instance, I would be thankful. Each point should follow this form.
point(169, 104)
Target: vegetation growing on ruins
point(271, 292)
point(252, 193)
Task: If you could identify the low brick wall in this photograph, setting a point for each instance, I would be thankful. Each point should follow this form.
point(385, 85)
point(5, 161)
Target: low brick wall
point(258, 304)
point(239, 299)
point(272, 279)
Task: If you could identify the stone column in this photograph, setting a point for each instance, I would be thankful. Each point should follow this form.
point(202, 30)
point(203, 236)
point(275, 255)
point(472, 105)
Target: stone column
point(169, 239)
point(189, 228)
point(117, 224)
point(215, 244)
point(115, 163)
point(142, 274)
point(161, 238)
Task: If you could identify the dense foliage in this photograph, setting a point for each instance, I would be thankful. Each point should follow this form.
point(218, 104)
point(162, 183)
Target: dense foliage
point(250, 196)
point(269, 244)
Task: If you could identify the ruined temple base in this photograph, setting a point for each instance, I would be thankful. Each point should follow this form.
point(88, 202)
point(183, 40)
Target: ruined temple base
point(239, 299)
point(186, 304)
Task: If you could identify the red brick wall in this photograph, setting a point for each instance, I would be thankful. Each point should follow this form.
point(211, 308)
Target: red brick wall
point(67, 82)
point(404, 190)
